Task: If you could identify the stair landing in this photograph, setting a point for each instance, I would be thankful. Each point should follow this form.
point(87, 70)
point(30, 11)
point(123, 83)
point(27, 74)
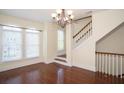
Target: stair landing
point(60, 59)
point(62, 56)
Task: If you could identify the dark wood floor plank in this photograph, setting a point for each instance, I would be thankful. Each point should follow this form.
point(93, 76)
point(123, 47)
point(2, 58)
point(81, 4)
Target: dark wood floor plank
point(55, 73)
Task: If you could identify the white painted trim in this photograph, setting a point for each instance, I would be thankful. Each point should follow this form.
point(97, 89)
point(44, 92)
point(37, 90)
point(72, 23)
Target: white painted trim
point(87, 68)
point(0, 44)
point(59, 62)
point(62, 58)
point(16, 64)
point(61, 52)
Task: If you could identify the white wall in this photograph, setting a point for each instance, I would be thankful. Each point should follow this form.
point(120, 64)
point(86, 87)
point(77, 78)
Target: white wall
point(84, 54)
point(78, 25)
point(113, 42)
point(105, 21)
point(9, 20)
point(50, 42)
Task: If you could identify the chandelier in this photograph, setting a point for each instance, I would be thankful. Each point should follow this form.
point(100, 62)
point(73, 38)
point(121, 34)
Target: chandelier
point(62, 17)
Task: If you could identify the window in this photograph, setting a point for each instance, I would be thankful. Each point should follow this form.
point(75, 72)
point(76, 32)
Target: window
point(60, 40)
point(11, 43)
point(32, 43)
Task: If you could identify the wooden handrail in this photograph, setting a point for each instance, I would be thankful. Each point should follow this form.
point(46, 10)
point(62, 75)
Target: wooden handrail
point(82, 29)
point(83, 18)
point(110, 53)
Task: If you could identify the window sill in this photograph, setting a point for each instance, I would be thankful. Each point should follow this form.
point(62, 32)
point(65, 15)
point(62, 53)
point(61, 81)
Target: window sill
point(25, 59)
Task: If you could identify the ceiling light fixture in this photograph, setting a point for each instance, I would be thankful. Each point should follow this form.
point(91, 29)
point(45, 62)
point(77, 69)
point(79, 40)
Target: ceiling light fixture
point(62, 18)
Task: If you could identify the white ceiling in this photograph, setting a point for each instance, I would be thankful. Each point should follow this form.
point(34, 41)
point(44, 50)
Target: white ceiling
point(41, 15)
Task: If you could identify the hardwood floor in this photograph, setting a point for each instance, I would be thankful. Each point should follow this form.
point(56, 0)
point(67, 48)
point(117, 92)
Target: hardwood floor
point(54, 73)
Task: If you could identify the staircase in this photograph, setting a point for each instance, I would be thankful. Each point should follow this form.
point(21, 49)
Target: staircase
point(84, 45)
point(84, 33)
point(109, 64)
point(61, 59)
point(110, 55)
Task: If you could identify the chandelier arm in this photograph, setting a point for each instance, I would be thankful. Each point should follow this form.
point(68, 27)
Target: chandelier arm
point(62, 19)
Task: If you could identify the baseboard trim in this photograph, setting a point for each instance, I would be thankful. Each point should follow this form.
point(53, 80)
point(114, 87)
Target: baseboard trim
point(14, 65)
point(86, 68)
point(62, 63)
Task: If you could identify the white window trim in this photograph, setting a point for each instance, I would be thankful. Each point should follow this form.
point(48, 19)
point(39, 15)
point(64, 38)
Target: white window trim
point(59, 50)
point(39, 45)
point(0, 44)
point(23, 32)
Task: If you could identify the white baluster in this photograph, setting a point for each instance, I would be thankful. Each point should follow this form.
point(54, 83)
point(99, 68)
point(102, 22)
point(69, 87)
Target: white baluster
point(99, 62)
point(83, 36)
point(121, 60)
point(113, 65)
point(103, 63)
point(79, 35)
point(109, 64)
point(75, 40)
point(96, 62)
point(106, 63)
point(89, 26)
point(116, 65)
point(90, 30)
point(88, 33)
